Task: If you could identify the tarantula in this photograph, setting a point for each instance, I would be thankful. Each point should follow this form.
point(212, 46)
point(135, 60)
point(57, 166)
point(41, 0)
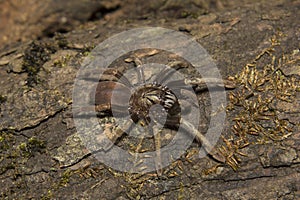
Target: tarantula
point(155, 95)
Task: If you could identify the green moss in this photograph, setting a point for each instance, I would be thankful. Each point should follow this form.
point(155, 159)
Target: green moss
point(14, 155)
point(61, 40)
point(15, 152)
point(87, 50)
point(23, 146)
point(5, 139)
point(34, 58)
point(2, 99)
point(36, 144)
point(65, 178)
point(7, 154)
point(63, 61)
point(185, 14)
point(47, 196)
point(33, 145)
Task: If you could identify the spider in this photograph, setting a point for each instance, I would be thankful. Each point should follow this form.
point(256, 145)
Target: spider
point(150, 105)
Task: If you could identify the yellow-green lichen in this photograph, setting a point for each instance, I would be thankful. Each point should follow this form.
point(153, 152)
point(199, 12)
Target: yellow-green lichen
point(256, 119)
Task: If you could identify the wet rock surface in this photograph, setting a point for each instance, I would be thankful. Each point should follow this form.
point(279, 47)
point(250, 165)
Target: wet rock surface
point(41, 156)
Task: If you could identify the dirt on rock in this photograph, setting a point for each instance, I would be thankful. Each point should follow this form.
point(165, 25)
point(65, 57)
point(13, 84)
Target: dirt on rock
point(254, 44)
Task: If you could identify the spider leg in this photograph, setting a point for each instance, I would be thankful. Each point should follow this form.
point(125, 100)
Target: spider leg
point(157, 142)
point(140, 71)
point(139, 146)
point(205, 143)
point(138, 66)
point(113, 74)
point(202, 84)
point(163, 75)
point(119, 132)
point(173, 66)
point(137, 159)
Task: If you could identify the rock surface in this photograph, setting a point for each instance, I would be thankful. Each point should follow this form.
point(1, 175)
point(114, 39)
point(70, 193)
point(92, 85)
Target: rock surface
point(41, 157)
